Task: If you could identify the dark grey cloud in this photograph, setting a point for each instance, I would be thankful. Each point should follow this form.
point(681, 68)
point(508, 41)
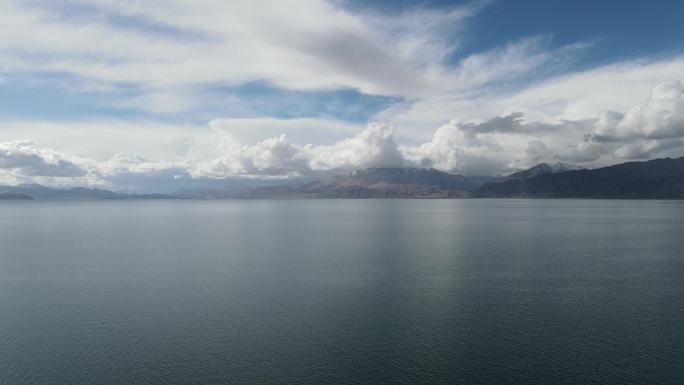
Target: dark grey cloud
point(514, 123)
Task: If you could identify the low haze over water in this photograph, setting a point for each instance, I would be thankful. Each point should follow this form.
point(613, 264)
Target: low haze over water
point(342, 292)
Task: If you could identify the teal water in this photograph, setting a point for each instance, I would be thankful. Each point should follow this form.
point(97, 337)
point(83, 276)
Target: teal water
point(342, 292)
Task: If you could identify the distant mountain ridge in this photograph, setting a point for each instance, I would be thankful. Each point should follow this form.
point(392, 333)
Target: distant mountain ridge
point(654, 179)
point(383, 182)
point(10, 196)
point(544, 168)
point(378, 182)
point(39, 192)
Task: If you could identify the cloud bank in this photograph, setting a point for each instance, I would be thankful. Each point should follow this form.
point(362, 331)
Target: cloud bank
point(24, 159)
point(651, 128)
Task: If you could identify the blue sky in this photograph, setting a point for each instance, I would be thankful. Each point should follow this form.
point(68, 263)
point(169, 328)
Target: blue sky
point(623, 29)
point(209, 88)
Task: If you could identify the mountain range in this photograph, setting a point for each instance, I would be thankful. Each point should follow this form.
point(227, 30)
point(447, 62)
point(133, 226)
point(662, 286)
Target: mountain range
point(39, 192)
point(378, 182)
point(654, 179)
point(543, 168)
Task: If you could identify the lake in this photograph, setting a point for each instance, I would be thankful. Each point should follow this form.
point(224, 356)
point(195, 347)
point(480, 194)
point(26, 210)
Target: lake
point(342, 292)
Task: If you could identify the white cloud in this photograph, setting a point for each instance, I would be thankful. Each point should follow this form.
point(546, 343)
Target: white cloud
point(101, 139)
point(25, 159)
point(162, 101)
point(654, 127)
point(273, 156)
point(302, 130)
point(572, 96)
point(453, 149)
point(373, 147)
point(661, 116)
point(164, 48)
point(651, 128)
point(586, 94)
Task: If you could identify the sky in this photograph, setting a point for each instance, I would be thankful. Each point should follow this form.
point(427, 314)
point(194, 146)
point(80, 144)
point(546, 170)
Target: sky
point(149, 95)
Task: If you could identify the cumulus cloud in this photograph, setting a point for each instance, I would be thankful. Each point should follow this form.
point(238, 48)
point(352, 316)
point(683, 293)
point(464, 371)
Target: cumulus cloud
point(273, 156)
point(554, 95)
point(25, 162)
point(454, 148)
point(651, 128)
point(24, 158)
point(646, 129)
point(488, 147)
point(374, 146)
point(661, 116)
point(133, 173)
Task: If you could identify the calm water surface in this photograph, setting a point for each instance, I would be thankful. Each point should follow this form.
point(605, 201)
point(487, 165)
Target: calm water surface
point(342, 292)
